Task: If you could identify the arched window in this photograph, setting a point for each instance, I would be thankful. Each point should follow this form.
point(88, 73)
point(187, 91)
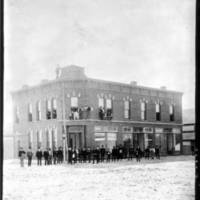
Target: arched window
point(48, 109)
point(127, 113)
point(171, 112)
point(143, 110)
point(158, 111)
point(54, 108)
point(38, 110)
point(30, 112)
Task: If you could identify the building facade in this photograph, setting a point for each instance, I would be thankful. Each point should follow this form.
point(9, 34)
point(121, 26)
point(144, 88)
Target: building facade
point(188, 138)
point(77, 111)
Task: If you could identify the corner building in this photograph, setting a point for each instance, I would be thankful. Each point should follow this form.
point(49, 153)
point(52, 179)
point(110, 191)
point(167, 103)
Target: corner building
point(76, 111)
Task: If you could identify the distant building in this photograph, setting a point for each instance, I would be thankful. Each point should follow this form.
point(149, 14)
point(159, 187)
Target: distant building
point(77, 111)
point(188, 138)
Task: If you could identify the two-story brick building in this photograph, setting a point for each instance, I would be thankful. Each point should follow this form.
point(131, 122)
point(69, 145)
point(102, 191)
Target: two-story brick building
point(77, 111)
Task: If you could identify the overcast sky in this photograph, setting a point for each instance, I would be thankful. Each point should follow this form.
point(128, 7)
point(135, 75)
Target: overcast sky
point(148, 41)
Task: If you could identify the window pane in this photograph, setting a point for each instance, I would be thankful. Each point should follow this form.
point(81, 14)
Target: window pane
point(74, 102)
point(126, 105)
point(157, 108)
point(171, 110)
point(49, 105)
point(108, 103)
point(142, 106)
point(101, 102)
point(54, 104)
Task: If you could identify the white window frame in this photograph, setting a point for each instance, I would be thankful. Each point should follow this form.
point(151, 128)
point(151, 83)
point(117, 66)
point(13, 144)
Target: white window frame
point(108, 103)
point(74, 102)
point(101, 102)
point(126, 109)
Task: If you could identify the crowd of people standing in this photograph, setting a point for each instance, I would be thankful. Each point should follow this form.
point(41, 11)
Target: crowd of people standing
point(83, 155)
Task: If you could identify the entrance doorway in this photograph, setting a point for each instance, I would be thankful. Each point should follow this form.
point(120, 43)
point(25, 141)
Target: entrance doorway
point(170, 143)
point(75, 140)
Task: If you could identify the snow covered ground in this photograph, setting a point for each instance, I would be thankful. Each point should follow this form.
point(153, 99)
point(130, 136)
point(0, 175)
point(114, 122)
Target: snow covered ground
point(171, 178)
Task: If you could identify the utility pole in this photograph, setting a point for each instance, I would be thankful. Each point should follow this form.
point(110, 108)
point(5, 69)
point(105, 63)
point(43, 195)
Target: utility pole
point(64, 136)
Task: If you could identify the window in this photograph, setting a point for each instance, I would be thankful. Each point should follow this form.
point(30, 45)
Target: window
point(143, 110)
point(74, 102)
point(49, 138)
point(39, 139)
point(55, 141)
point(75, 111)
point(48, 110)
point(30, 139)
point(171, 112)
point(17, 114)
point(101, 102)
point(108, 109)
point(54, 111)
point(38, 111)
point(30, 113)
point(158, 111)
point(127, 109)
point(108, 103)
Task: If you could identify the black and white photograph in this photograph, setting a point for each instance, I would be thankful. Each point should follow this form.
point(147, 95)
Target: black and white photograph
point(99, 100)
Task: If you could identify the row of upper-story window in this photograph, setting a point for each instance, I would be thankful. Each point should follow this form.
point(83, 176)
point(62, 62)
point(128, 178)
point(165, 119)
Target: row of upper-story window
point(105, 107)
point(45, 139)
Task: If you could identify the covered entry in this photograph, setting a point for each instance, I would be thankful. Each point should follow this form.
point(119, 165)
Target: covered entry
point(76, 136)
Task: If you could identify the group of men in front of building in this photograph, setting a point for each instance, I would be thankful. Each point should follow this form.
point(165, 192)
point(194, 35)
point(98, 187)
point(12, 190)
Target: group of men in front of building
point(54, 156)
point(101, 154)
point(83, 155)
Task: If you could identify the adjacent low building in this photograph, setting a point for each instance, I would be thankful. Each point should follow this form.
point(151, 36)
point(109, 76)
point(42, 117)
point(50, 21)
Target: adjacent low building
point(77, 111)
point(188, 138)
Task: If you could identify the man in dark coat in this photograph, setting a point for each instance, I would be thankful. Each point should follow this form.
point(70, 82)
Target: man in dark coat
point(60, 155)
point(131, 152)
point(84, 154)
point(46, 157)
point(70, 155)
point(98, 154)
point(102, 153)
point(89, 154)
point(138, 154)
point(21, 155)
point(39, 156)
point(29, 156)
point(55, 156)
point(157, 152)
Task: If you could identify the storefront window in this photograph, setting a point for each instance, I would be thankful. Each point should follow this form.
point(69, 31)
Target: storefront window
point(148, 139)
point(127, 139)
point(100, 139)
point(111, 140)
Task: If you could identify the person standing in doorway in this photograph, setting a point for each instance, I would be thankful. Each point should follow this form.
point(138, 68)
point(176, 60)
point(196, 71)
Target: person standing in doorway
point(29, 156)
point(21, 156)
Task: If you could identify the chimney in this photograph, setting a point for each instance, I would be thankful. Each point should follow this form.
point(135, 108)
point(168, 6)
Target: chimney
point(72, 72)
point(58, 72)
point(163, 88)
point(44, 81)
point(133, 83)
point(25, 86)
